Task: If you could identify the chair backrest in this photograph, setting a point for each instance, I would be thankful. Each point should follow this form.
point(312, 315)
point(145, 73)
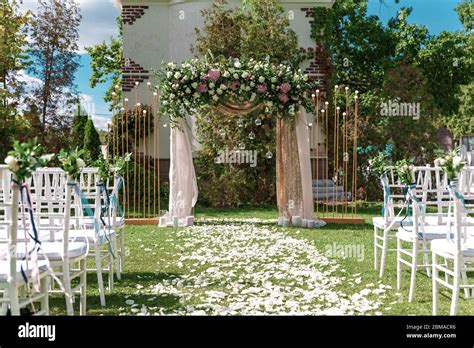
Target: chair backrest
point(461, 212)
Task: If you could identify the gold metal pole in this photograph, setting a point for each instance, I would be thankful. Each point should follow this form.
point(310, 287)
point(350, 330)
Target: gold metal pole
point(356, 111)
point(150, 135)
point(155, 94)
point(326, 112)
point(128, 168)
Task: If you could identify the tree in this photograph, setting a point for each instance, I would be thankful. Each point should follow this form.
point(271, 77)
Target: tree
point(463, 122)
point(13, 58)
point(92, 141)
point(106, 64)
point(78, 128)
point(54, 33)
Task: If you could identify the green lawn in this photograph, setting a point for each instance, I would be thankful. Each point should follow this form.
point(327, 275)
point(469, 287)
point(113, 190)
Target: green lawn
point(153, 255)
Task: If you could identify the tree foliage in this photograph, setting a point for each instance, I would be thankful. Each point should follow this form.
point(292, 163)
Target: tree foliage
point(91, 141)
point(106, 63)
point(13, 58)
point(54, 33)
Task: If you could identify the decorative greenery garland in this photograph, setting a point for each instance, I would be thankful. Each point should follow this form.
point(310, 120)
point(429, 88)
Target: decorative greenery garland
point(198, 84)
point(25, 158)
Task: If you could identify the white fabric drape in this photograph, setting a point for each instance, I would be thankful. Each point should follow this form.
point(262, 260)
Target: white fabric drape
point(183, 185)
point(302, 137)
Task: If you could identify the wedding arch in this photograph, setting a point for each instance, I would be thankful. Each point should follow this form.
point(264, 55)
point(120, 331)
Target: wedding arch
point(234, 87)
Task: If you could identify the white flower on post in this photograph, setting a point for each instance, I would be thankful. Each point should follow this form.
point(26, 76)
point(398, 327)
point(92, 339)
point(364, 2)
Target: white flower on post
point(12, 163)
point(48, 157)
point(442, 161)
point(457, 160)
point(80, 163)
point(437, 162)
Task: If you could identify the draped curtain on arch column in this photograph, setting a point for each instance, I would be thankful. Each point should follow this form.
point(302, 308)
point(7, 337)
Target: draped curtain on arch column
point(294, 186)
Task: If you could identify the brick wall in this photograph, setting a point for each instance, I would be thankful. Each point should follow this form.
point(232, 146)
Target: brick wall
point(320, 66)
point(130, 13)
point(132, 72)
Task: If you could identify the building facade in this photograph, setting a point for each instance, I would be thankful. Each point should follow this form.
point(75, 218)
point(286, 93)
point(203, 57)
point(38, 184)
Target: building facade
point(157, 31)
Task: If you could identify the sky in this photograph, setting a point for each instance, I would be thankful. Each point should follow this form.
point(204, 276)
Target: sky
point(98, 24)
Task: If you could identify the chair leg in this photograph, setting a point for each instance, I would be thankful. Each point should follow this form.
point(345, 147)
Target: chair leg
point(435, 275)
point(45, 299)
point(465, 282)
point(67, 288)
point(384, 252)
point(100, 280)
point(399, 264)
point(14, 301)
point(375, 247)
point(122, 251)
point(116, 252)
point(83, 280)
point(456, 289)
point(111, 273)
point(414, 267)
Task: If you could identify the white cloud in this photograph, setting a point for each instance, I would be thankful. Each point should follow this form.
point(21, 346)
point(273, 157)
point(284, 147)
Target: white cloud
point(100, 122)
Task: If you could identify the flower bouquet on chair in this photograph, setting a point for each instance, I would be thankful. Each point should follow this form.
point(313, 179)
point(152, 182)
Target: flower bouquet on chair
point(452, 165)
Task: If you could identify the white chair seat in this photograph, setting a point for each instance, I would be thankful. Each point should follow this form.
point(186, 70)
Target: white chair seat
point(431, 232)
point(379, 221)
point(5, 265)
point(444, 247)
point(54, 250)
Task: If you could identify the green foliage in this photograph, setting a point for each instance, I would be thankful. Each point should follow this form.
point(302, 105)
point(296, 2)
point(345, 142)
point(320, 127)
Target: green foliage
point(463, 122)
point(25, 158)
point(261, 32)
point(71, 162)
point(79, 123)
point(13, 58)
point(91, 141)
point(106, 64)
point(52, 45)
point(404, 169)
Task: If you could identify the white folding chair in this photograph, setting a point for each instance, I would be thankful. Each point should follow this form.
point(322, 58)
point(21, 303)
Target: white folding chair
point(58, 210)
point(16, 275)
point(457, 253)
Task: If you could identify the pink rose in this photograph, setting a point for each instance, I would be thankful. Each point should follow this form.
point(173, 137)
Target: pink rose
point(261, 89)
point(285, 87)
point(202, 88)
point(214, 75)
point(283, 98)
point(235, 85)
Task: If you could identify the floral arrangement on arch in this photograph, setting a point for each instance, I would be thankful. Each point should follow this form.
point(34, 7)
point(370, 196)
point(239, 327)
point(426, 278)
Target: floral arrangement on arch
point(198, 84)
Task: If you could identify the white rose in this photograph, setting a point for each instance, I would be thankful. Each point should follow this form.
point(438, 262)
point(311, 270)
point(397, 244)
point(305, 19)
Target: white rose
point(437, 162)
point(212, 85)
point(212, 92)
point(252, 98)
point(226, 74)
point(188, 90)
point(12, 163)
point(261, 79)
point(457, 160)
point(169, 74)
point(248, 88)
point(245, 75)
point(236, 76)
point(305, 78)
point(194, 85)
point(223, 87)
point(177, 75)
point(196, 95)
point(274, 79)
point(442, 161)
point(219, 91)
point(237, 64)
point(80, 163)
point(47, 157)
point(215, 98)
point(252, 84)
point(172, 65)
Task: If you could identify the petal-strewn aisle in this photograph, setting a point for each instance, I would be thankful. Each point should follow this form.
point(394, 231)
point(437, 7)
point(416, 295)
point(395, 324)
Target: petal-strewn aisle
point(246, 269)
